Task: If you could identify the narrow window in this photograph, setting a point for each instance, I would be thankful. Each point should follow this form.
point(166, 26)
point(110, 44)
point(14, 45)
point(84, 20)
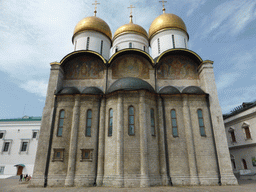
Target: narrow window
point(233, 137)
point(87, 44)
point(152, 117)
point(244, 164)
point(233, 161)
point(174, 123)
point(101, 47)
point(1, 135)
point(110, 126)
point(201, 122)
point(75, 44)
point(1, 170)
point(173, 42)
point(158, 42)
point(116, 49)
point(24, 146)
point(34, 134)
point(6, 146)
point(61, 121)
point(88, 123)
point(185, 43)
point(130, 45)
point(131, 120)
point(247, 133)
point(144, 48)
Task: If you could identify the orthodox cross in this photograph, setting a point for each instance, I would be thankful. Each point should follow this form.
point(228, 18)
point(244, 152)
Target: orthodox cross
point(131, 7)
point(163, 5)
point(96, 3)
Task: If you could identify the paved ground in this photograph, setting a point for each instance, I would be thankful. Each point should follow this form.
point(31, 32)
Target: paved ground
point(13, 185)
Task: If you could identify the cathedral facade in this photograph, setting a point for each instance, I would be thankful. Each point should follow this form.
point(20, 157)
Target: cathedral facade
point(137, 109)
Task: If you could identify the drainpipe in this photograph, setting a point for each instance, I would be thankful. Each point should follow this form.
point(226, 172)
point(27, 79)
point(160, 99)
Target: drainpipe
point(166, 144)
point(50, 142)
point(213, 137)
point(97, 145)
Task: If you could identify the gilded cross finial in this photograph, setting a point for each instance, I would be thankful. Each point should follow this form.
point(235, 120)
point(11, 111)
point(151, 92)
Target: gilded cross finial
point(131, 7)
point(96, 3)
point(163, 5)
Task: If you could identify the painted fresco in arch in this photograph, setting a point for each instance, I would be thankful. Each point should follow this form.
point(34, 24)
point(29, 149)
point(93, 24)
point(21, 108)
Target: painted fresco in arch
point(84, 67)
point(130, 66)
point(177, 67)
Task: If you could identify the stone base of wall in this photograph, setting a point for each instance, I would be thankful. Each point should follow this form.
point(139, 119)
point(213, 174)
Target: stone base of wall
point(36, 181)
point(228, 180)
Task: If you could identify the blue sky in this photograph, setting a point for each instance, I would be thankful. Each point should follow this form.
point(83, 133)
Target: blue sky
point(34, 33)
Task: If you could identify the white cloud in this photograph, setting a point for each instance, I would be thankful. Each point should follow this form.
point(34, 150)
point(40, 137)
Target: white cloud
point(226, 80)
point(194, 4)
point(230, 17)
point(37, 87)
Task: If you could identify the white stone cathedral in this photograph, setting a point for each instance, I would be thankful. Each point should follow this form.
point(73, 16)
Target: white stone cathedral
point(117, 115)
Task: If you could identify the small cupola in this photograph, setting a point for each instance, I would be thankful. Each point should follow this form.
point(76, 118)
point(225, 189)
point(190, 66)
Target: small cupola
point(130, 36)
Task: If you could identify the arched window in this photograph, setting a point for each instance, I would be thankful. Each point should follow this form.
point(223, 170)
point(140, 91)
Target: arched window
point(144, 48)
point(88, 42)
point(110, 125)
point(130, 45)
point(174, 123)
point(131, 120)
point(201, 122)
point(61, 122)
point(88, 123)
point(152, 117)
point(244, 164)
point(233, 161)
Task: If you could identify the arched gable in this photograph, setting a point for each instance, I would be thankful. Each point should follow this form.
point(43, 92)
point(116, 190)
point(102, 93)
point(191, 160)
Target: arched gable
point(176, 65)
point(131, 64)
point(83, 65)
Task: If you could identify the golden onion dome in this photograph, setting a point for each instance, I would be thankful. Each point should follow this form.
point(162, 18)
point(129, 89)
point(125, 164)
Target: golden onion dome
point(95, 24)
point(166, 21)
point(131, 28)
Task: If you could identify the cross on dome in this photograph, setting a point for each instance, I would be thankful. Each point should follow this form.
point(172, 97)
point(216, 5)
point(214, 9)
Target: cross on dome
point(131, 7)
point(163, 5)
point(96, 3)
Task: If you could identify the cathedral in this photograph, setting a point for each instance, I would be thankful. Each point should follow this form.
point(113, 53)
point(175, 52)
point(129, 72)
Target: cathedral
point(136, 109)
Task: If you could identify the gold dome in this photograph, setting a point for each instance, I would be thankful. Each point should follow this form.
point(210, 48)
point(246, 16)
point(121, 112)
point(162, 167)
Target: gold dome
point(131, 28)
point(166, 21)
point(95, 24)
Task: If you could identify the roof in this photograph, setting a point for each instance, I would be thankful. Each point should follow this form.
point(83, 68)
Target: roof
point(239, 109)
point(129, 84)
point(25, 118)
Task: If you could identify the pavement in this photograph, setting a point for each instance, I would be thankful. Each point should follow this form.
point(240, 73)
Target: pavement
point(12, 184)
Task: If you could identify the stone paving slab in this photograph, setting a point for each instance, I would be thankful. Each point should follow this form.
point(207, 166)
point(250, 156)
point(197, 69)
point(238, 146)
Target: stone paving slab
point(13, 185)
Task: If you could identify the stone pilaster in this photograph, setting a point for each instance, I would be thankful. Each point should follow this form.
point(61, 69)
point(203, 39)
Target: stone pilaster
point(143, 142)
point(161, 143)
point(120, 142)
point(55, 84)
point(190, 142)
point(101, 150)
point(207, 81)
point(73, 143)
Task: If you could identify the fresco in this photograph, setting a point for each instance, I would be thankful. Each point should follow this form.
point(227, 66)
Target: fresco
point(84, 67)
point(177, 67)
point(130, 66)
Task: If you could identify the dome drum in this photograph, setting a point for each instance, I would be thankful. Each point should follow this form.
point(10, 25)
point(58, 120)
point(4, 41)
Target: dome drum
point(130, 40)
point(94, 41)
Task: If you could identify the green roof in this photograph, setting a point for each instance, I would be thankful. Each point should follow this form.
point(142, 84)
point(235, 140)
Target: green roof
point(25, 118)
